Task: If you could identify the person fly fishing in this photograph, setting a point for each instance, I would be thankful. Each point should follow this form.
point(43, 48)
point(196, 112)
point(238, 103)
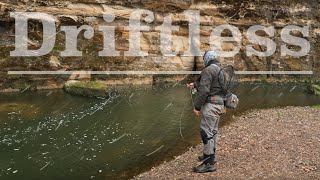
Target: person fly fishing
point(209, 106)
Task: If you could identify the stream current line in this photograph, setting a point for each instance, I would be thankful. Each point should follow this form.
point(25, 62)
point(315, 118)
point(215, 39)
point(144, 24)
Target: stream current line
point(155, 150)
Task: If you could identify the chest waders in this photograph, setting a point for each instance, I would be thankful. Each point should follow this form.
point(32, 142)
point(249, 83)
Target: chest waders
point(210, 117)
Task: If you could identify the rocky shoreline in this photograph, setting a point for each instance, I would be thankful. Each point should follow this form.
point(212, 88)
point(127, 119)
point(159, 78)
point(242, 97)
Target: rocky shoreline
point(273, 144)
point(85, 86)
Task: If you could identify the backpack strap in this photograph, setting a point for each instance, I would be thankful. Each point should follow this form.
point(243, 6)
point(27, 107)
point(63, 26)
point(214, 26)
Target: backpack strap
point(225, 91)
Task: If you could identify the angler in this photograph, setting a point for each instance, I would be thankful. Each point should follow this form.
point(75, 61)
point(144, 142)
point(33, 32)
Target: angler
point(209, 106)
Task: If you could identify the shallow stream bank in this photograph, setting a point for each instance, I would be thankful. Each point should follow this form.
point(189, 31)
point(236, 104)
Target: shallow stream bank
point(273, 144)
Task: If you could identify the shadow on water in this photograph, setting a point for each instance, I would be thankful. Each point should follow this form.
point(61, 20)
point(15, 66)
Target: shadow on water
point(51, 134)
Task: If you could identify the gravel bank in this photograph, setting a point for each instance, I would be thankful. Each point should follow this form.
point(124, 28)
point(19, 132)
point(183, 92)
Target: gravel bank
point(273, 144)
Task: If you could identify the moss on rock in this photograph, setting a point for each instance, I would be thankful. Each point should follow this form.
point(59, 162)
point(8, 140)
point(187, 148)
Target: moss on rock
point(86, 88)
point(316, 106)
point(315, 89)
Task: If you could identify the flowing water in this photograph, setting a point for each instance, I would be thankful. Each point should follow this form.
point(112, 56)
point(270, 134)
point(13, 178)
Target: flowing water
point(53, 135)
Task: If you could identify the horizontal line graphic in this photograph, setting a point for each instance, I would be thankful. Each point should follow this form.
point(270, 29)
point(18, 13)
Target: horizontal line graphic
point(154, 72)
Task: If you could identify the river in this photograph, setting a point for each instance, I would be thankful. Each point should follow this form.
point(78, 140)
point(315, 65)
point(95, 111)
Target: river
point(54, 135)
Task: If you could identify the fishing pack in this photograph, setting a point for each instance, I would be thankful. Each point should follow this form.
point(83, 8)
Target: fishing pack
point(228, 82)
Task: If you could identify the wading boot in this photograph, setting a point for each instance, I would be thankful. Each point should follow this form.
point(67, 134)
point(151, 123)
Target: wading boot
point(206, 166)
point(204, 157)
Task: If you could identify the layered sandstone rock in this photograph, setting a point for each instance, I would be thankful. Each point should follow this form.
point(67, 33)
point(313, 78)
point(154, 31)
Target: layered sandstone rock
point(241, 14)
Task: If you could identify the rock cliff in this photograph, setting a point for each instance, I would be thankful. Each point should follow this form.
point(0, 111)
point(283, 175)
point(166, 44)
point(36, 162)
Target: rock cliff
point(242, 14)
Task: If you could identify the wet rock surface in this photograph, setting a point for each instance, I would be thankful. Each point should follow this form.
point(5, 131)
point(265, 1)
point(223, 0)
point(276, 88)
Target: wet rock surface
point(273, 144)
point(86, 88)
